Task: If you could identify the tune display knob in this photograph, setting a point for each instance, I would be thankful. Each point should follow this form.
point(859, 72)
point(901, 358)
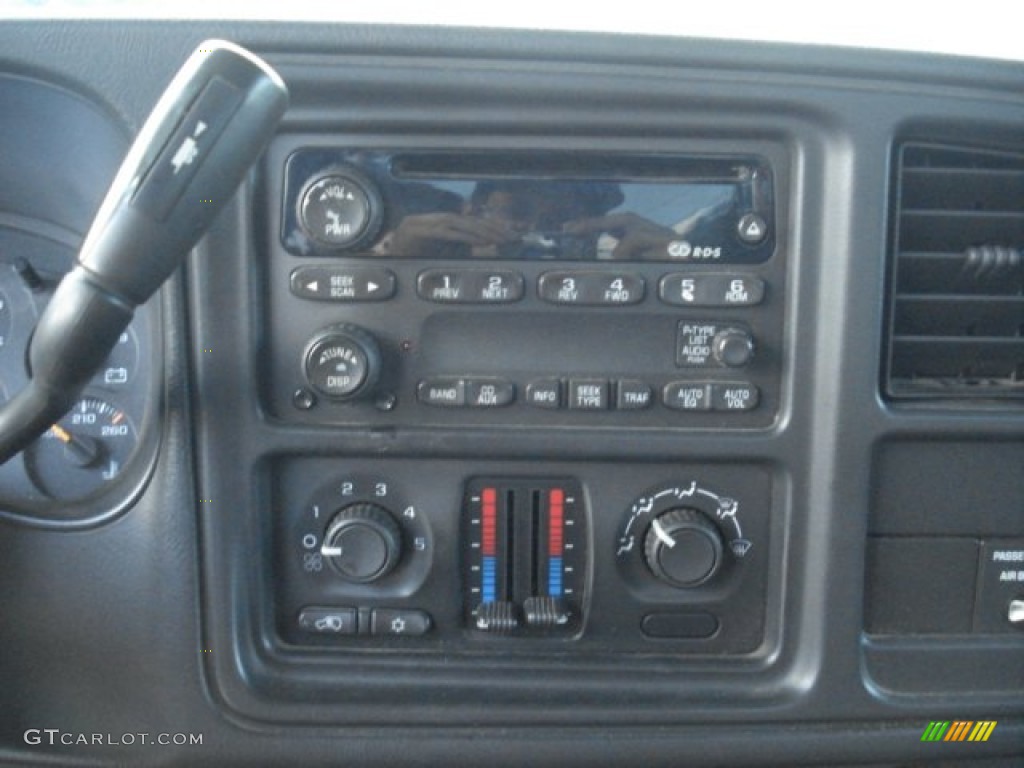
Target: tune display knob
point(363, 543)
point(343, 362)
point(683, 547)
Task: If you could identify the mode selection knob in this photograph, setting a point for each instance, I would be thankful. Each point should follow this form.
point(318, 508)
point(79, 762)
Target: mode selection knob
point(683, 547)
point(732, 347)
point(363, 542)
point(343, 362)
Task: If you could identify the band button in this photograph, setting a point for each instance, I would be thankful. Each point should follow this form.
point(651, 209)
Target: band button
point(442, 391)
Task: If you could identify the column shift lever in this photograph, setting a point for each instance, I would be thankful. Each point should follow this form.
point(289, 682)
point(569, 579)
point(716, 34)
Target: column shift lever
point(204, 133)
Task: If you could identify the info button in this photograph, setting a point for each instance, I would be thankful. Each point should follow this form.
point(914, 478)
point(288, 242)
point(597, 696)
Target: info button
point(544, 393)
point(444, 392)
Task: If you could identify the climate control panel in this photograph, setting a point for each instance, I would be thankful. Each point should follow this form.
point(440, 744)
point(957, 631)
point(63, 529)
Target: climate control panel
point(427, 554)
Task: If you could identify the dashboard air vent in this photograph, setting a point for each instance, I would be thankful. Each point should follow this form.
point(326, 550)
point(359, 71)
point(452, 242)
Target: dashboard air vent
point(956, 327)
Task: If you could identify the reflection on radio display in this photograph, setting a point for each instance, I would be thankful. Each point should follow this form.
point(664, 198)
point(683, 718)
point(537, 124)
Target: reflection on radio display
point(700, 209)
point(517, 219)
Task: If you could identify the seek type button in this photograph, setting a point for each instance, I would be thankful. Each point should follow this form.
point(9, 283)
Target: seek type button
point(588, 394)
point(489, 393)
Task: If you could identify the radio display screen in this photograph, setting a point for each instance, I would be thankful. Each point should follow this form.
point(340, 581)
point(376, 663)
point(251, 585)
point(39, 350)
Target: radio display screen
point(442, 206)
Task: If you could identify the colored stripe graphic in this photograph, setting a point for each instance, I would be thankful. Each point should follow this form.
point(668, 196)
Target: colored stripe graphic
point(556, 535)
point(489, 544)
point(958, 730)
point(982, 730)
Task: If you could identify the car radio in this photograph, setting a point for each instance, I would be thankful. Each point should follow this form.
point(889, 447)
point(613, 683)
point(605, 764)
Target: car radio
point(417, 288)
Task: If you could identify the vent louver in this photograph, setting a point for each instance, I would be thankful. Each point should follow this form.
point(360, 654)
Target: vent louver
point(956, 326)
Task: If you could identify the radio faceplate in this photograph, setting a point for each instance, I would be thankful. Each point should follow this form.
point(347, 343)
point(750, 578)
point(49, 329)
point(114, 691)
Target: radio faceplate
point(371, 327)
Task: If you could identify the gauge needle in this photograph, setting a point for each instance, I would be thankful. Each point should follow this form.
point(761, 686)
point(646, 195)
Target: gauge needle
point(82, 451)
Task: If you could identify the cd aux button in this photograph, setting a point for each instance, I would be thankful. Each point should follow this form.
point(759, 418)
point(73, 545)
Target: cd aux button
point(489, 393)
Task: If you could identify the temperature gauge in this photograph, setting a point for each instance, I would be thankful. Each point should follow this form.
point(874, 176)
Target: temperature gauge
point(84, 450)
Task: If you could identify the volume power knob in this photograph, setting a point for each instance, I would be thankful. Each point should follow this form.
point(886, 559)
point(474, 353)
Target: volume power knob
point(363, 542)
point(683, 547)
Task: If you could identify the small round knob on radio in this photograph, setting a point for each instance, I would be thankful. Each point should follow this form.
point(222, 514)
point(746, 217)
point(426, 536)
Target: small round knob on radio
point(683, 547)
point(363, 542)
point(732, 347)
point(341, 210)
point(343, 362)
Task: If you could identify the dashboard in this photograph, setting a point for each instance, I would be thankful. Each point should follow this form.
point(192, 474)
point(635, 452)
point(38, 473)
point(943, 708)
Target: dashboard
point(538, 399)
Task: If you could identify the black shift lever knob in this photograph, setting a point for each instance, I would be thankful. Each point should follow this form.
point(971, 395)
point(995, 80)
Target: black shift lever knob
point(204, 133)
